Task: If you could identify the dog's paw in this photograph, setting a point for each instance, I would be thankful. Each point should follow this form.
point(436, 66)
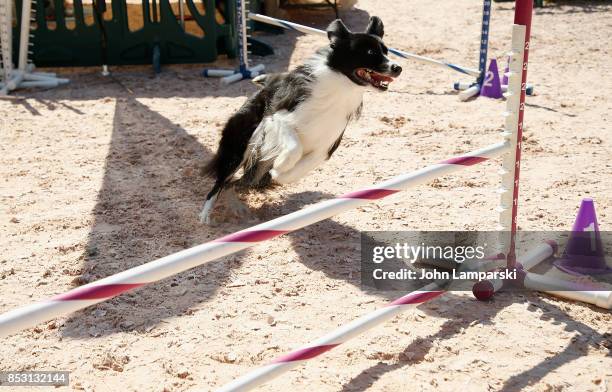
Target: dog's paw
point(287, 160)
point(280, 178)
point(205, 218)
point(260, 80)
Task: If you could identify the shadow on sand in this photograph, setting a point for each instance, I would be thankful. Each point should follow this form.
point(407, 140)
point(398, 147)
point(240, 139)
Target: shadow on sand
point(463, 314)
point(572, 7)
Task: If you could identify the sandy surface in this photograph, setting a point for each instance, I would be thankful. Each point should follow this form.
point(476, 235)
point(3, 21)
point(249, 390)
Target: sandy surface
point(95, 180)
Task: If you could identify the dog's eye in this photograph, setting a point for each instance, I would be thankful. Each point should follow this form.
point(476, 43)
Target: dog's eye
point(370, 52)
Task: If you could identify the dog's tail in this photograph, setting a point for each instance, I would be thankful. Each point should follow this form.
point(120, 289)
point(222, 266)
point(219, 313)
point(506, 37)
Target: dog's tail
point(226, 160)
point(210, 168)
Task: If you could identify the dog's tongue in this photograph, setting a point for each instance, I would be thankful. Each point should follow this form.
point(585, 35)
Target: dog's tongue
point(380, 77)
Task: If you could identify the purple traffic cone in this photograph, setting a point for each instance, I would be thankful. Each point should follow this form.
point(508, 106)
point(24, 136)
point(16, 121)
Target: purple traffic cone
point(584, 252)
point(491, 86)
point(505, 76)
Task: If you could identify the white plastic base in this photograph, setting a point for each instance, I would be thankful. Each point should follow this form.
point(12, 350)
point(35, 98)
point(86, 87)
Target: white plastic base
point(232, 76)
point(218, 73)
point(569, 290)
point(30, 79)
point(469, 92)
point(464, 86)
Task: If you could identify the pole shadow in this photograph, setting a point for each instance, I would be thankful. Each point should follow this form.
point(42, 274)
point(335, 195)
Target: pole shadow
point(573, 7)
point(459, 318)
point(578, 346)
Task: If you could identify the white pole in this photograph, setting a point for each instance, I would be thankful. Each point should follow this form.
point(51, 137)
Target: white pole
point(24, 38)
point(340, 335)
point(570, 290)
point(6, 44)
point(243, 32)
point(469, 92)
point(511, 129)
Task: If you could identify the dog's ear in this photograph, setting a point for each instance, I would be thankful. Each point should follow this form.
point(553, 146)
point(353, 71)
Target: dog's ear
point(337, 31)
point(375, 27)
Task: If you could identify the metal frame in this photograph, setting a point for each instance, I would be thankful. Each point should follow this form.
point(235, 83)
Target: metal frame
point(244, 70)
point(23, 75)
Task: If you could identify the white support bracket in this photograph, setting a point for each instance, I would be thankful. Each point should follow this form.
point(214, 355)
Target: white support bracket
point(510, 133)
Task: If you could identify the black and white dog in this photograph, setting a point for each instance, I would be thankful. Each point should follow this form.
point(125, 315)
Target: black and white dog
point(296, 121)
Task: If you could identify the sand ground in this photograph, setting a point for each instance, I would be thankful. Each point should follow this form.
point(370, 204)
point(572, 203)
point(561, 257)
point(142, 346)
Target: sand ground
point(102, 175)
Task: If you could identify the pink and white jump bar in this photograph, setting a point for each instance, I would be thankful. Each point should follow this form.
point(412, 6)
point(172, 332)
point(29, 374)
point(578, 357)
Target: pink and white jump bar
point(164, 267)
point(346, 332)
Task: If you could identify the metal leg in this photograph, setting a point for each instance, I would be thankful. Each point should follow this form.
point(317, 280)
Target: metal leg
point(181, 13)
point(473, 89)
point(156, 59)
point(245, 70)
point(334, 5)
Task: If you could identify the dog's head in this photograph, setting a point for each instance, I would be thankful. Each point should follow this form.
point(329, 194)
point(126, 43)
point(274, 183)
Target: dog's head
point(362, 57)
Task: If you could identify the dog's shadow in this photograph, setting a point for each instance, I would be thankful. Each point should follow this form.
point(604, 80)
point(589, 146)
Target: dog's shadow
point(326, 246)
point(147, 208)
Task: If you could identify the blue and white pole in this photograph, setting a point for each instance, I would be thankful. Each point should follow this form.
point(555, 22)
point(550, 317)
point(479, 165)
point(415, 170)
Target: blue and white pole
point(474, 88)
point(469, 90)
point(484, 39)
point(406, 55)
point(243, 71)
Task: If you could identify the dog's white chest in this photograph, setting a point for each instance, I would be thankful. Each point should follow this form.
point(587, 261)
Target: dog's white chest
point(320, 120)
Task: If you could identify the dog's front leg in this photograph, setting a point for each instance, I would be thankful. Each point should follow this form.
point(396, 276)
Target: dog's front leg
point(306, 164)
point(290, 149)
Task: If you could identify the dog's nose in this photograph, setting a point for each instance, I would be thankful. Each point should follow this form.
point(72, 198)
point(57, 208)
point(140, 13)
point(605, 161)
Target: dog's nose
point(396, 69)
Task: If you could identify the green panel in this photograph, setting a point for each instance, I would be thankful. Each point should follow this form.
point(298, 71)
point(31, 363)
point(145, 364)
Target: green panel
point(81, 46)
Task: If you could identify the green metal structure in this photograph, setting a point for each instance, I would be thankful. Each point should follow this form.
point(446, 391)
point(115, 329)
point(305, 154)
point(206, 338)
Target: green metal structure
point(61, 40)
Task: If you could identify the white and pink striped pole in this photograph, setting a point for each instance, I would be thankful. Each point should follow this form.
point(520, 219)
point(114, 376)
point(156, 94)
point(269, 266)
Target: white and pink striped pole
point(335, 338)
point(104, 289)
point(346, 332)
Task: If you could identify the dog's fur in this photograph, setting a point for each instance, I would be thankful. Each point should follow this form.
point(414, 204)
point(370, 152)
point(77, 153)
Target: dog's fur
point(296, 121)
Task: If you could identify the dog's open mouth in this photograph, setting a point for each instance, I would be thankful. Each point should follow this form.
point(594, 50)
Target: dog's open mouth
point(376, 79)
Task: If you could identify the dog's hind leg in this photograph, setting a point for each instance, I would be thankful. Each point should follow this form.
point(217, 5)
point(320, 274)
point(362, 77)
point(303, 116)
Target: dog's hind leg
point(209, 204)
point(222, 167)
point(232, 148)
